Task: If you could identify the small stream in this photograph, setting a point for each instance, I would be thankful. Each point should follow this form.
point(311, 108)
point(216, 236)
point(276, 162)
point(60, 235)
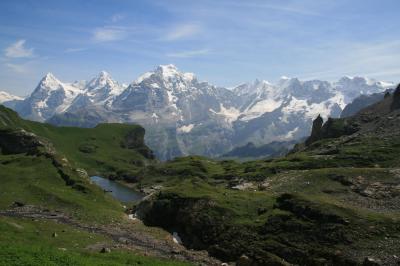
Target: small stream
point(117, 190)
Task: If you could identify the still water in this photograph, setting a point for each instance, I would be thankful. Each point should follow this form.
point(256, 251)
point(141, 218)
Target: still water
point(117, 190)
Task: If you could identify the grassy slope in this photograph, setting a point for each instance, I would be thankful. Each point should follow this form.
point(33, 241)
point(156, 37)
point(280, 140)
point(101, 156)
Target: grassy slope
point(106, 155)
point(36, 181)
point(27, 242)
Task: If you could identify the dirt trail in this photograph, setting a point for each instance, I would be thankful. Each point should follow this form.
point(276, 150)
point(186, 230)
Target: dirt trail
point(124, 236)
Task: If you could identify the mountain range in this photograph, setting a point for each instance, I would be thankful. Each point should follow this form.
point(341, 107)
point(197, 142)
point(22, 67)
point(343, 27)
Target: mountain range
point(183, 115)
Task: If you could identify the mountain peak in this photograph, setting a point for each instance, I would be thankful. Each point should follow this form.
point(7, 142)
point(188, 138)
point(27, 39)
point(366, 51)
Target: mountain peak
point(103, 74)
point(49, 81)
point(167, 73)
point(102, 79)
point(49, 76)
point(168, 67)
point(287, 81)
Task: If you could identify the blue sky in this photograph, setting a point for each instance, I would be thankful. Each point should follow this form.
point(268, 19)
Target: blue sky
point(225, 42)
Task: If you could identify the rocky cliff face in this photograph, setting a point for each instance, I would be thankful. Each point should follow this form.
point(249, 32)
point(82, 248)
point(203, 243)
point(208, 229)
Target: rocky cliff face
point(396, 99)
point(316, 131)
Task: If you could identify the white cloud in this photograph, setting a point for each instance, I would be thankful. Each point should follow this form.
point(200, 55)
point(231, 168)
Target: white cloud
point(18, 50)
point(377, 60)
point(182, 32)
point(18, 68)
point(109, 34)
point(117, 17)
point(74, 50)
point(301, 9)
point(187, 54)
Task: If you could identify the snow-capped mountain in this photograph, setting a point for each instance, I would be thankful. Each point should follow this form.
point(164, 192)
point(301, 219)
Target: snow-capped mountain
point(167, 96)
point(352, 87)
point(100, 91)
point(52, 97)
point(183, 115)
point(6, 97)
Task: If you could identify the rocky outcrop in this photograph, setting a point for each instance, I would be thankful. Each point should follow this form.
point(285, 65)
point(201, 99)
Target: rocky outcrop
point(396, 99)
point(316, 130)
point(134, 139)
point(332, 128)
point(20, 141)
point(300, 233)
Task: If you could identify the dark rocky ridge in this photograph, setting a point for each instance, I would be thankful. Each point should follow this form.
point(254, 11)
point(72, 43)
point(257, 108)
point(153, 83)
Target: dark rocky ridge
point(362, 102)
point(377, 119)
point(273, 149)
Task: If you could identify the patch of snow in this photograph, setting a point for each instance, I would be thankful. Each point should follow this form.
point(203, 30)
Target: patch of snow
point(310, 111)
point(265, 106)
point(230, 114)
point(154, 85)
point(132, 217)
point(143, 77)
point(168, 71)
point(176, 238)
point(185, 128)
point(386, 84)
point(290, 134)
point(172, 99)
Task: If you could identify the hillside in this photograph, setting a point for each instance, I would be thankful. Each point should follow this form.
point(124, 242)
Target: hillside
point(50, 211)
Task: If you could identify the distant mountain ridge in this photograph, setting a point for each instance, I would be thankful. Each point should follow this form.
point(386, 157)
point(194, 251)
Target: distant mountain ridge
point(183, 115)
point(6, 97)
point(363, 101)
point(270, 150)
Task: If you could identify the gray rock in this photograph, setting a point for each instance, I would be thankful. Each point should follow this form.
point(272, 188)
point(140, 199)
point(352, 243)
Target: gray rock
point(244, 261)
point(105, 250)
point(369, 261)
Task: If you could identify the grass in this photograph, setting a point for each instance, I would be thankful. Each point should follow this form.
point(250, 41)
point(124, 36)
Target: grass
point(101, 150)
point(27, 242)
point(34, 180)
point(242, 204)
